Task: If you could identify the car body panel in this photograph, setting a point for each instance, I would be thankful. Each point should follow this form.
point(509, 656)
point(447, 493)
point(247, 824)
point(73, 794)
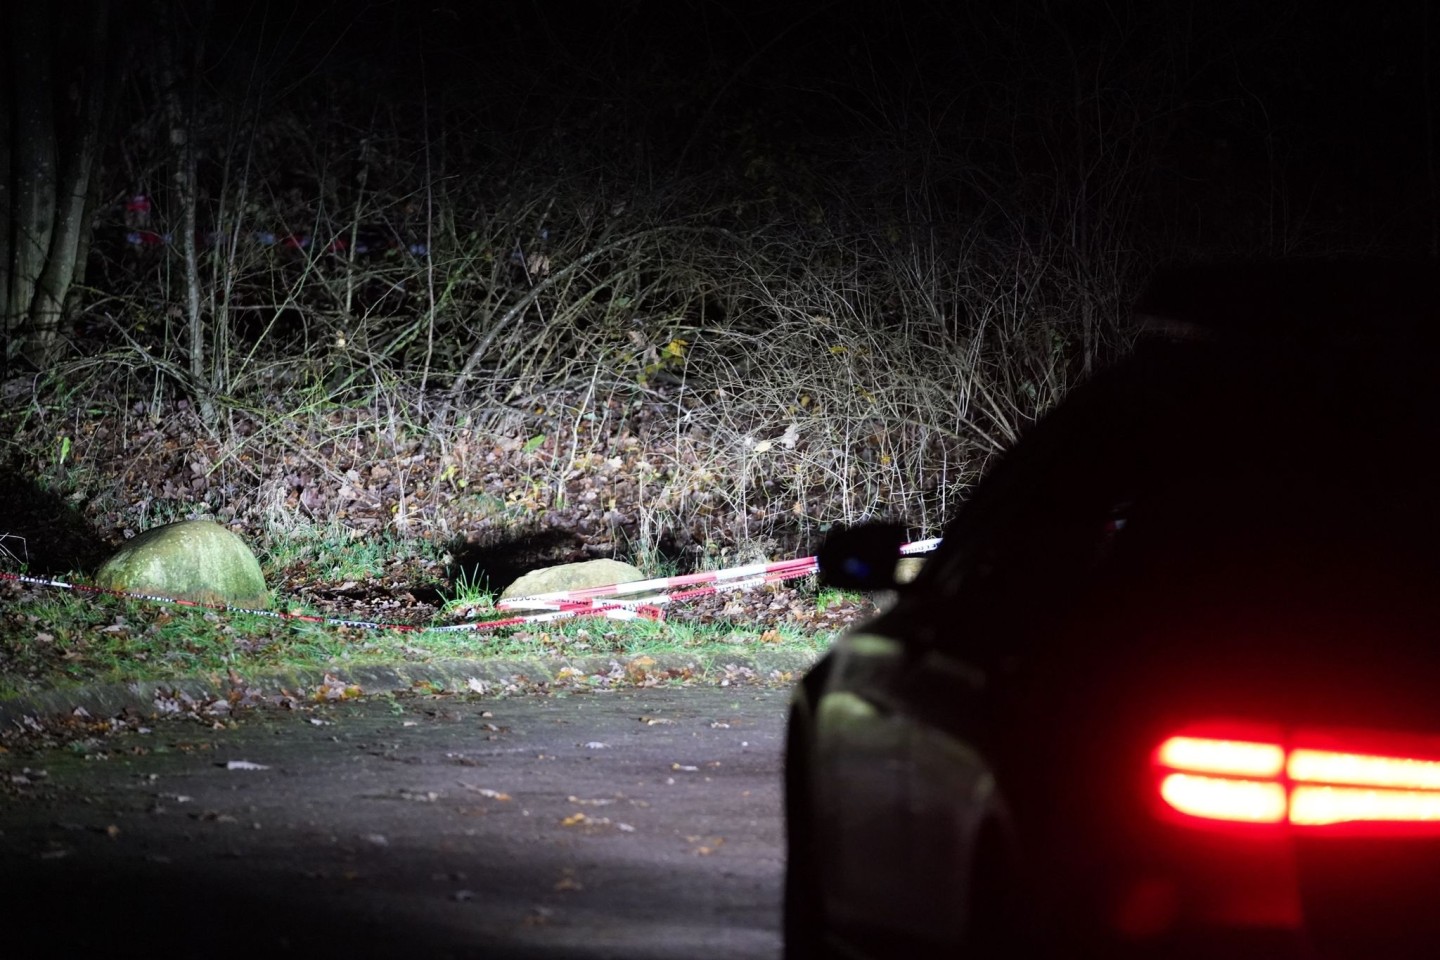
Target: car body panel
point(871, 760)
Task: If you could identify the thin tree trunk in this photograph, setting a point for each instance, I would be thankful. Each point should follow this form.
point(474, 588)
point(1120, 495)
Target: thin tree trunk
point(72, 226)
point(32, 220)
point(181, 120)
point(7, 216)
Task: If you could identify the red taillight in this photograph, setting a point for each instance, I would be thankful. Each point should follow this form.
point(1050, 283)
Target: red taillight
point(1224, 798)
point(1263, 780)
point(1233, 757)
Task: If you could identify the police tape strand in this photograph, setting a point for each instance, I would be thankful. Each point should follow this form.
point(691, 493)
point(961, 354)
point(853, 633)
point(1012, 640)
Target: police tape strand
point(608, 600)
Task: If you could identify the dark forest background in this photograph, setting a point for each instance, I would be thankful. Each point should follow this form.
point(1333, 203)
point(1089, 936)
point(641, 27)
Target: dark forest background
point(693, 278)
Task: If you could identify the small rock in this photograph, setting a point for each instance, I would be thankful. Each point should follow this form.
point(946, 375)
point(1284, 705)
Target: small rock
point(572, 576)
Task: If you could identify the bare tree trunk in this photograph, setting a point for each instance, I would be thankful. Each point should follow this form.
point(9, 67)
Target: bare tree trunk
point(181, 119)
point(32, 133)
point(47, 163)
point(81, 134)
point(7, 215)
point(185, 187)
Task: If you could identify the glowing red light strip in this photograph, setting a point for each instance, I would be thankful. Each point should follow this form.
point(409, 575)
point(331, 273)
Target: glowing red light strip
point(1240, 757)
point(1313, 805)
point(1328, 766)
point(1221, 798)
point(1239, 780)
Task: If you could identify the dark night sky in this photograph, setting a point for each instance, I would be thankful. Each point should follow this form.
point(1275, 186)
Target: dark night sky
point(1305, 120)
point(1323, 106)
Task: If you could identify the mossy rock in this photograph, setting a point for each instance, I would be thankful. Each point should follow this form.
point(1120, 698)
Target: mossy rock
point(572, 576)
point(190, 560)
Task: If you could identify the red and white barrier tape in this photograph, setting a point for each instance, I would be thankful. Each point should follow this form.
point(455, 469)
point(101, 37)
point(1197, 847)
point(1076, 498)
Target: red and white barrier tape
point(594, 601)
point(748, 574)
point(741, 577)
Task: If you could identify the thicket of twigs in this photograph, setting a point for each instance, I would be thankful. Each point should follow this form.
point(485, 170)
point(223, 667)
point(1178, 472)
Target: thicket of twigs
point(830, 321)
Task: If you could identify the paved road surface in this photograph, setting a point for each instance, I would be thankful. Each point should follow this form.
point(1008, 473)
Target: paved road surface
point(630, 824)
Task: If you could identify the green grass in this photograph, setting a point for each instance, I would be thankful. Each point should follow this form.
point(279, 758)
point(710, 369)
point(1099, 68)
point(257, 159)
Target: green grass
point(69, 639)
point(599, 637)
point(59, 638)
point(828, 597)
point(336, 553)
point(56, 638)
point(470, 597)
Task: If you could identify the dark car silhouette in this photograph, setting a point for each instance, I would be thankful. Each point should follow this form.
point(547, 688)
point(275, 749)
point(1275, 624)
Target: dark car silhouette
point(1171, 685)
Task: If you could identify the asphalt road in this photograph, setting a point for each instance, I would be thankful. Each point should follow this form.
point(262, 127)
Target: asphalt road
point(634, 824)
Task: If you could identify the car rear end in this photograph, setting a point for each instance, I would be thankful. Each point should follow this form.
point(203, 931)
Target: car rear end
point(1248, 754)
point(1216, 728)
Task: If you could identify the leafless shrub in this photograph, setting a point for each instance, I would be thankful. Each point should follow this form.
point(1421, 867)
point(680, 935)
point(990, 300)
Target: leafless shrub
point(803, 339)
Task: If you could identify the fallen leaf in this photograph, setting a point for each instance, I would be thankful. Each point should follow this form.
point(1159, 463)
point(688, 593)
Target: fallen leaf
point(707, 845)
point(463, 760)
point(333, 688)
point(214, 816)
point(638, 669)
point(487, 792)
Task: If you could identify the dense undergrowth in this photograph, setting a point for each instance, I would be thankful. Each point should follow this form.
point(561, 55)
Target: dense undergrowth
point(432, 341)
point(423, 321)
point(51, 640)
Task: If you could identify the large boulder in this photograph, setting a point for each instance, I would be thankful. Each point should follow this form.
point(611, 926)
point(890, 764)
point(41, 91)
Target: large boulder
point(190, 560)
point(572, 576)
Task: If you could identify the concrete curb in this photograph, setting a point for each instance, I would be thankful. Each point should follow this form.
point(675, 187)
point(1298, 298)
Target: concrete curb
point(108, 700)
